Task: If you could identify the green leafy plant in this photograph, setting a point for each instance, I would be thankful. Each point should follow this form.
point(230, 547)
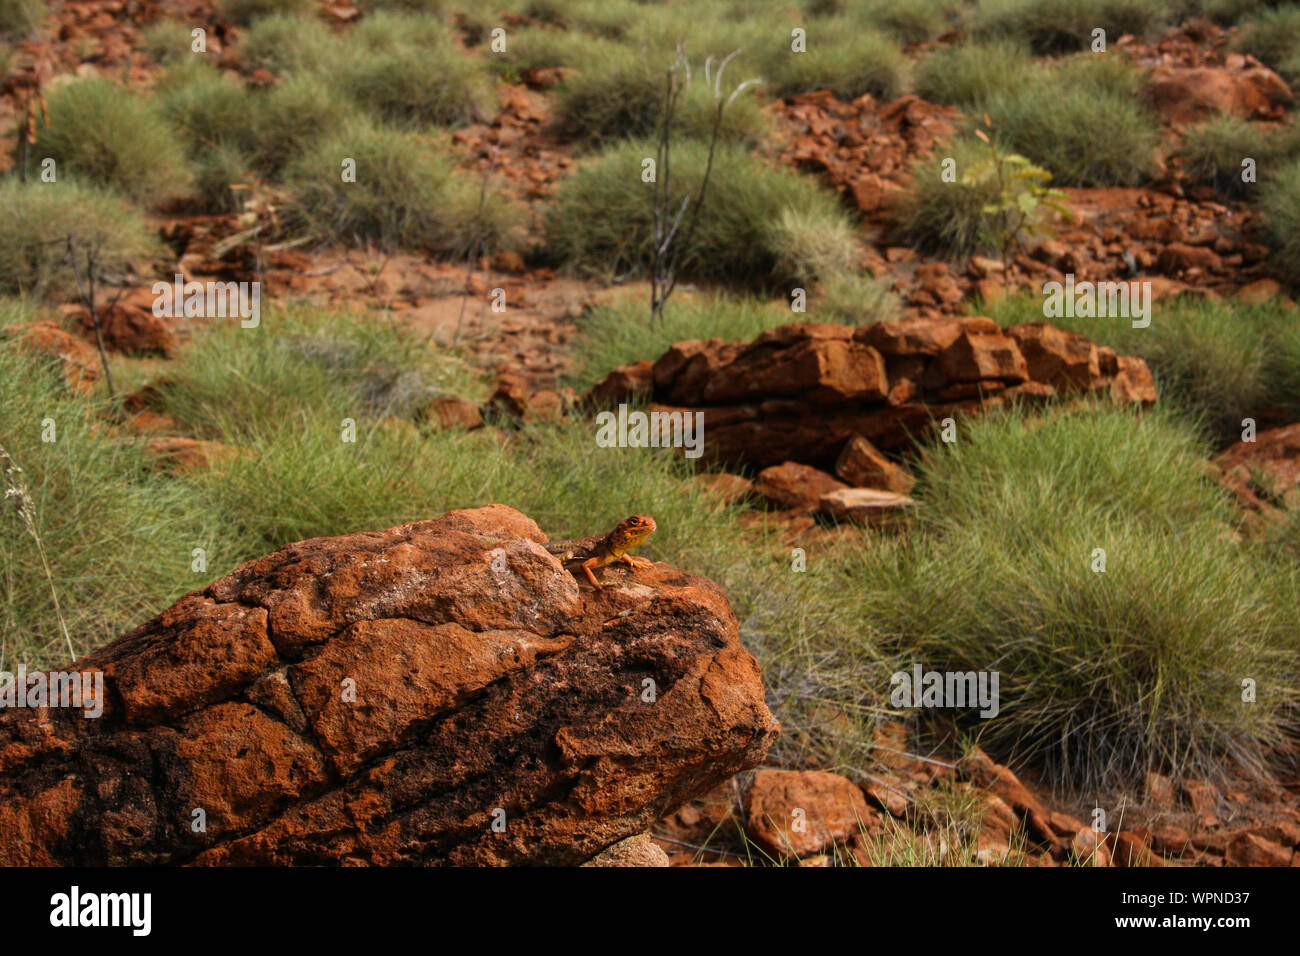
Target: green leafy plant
point(1021, 194)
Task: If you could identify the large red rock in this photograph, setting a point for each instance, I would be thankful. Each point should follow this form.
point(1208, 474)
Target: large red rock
point(1181, 94)
point(799, 392)
point(385, 698)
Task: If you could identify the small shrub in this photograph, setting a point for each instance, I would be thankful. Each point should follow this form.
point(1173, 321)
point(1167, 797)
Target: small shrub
point(168, 41)
point(215, 171)
point(101, 133)
point(40, 216)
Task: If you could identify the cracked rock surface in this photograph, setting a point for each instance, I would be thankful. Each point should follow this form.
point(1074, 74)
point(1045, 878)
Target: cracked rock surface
point(386, 698)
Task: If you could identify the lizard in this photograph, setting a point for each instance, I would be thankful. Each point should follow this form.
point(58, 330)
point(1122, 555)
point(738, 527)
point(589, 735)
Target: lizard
point(602, 549)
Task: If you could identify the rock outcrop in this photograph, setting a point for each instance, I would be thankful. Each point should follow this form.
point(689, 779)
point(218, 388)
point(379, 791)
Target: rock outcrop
point(443, 692)
point(804, 392)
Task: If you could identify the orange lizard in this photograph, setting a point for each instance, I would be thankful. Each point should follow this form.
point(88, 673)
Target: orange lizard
point(599, 550)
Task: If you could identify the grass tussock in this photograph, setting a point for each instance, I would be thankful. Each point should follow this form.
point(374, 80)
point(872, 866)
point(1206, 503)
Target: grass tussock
point(407, 69)
point(20, 18)
point(40, 217)
point(621, 95)
point(247, 11)
point(1279, 203)
point(1213, 152)
point(1215, 363)
point(119, 538)
point(407, 194)
point(757, 223)
point(1066, 26)
point(100, 133)
point(1273, 35)
point(1104, 675)
point(1081, 121)
point(967, 74)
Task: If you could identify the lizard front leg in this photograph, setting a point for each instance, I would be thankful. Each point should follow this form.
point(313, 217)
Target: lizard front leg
point(588, 565)
point(633, 561)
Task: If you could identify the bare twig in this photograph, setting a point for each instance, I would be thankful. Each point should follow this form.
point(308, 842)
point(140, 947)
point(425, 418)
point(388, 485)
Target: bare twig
point(88, 297)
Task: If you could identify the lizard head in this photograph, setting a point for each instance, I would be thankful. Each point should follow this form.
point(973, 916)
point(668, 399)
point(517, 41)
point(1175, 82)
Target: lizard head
point(630, 532)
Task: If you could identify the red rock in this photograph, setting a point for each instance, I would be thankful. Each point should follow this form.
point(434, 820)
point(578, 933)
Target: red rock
point(1259, 291)
point(1267, 468)
point(626, 383)
point(1131, 848)
point(1201, 796)
point(799, 813)
point(1064, 825)
point(726, 487)
point(483, 680)
point(1089, 848)
point(1170, 840)
point(130, 326)
point(981, 356)
point(450, 412)
point(1000, 781)
point(1133, 383)
point(865, 505)
point(1178, 256)
point(1184, 94)
point(178, 454)
point(1160, 791)
point(793, 486)
point(862, 465)
point(77, 361)
point(1248, 849)
point(1063, 359)
point(639, 850)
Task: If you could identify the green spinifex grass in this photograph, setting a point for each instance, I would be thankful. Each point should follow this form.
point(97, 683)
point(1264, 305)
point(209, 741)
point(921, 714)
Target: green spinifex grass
point(118, 538)
point(101, 133)
point(758, 222)
point(40, 217)
point(1215, 363)
point(1065, 26)
point(1103, 675)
